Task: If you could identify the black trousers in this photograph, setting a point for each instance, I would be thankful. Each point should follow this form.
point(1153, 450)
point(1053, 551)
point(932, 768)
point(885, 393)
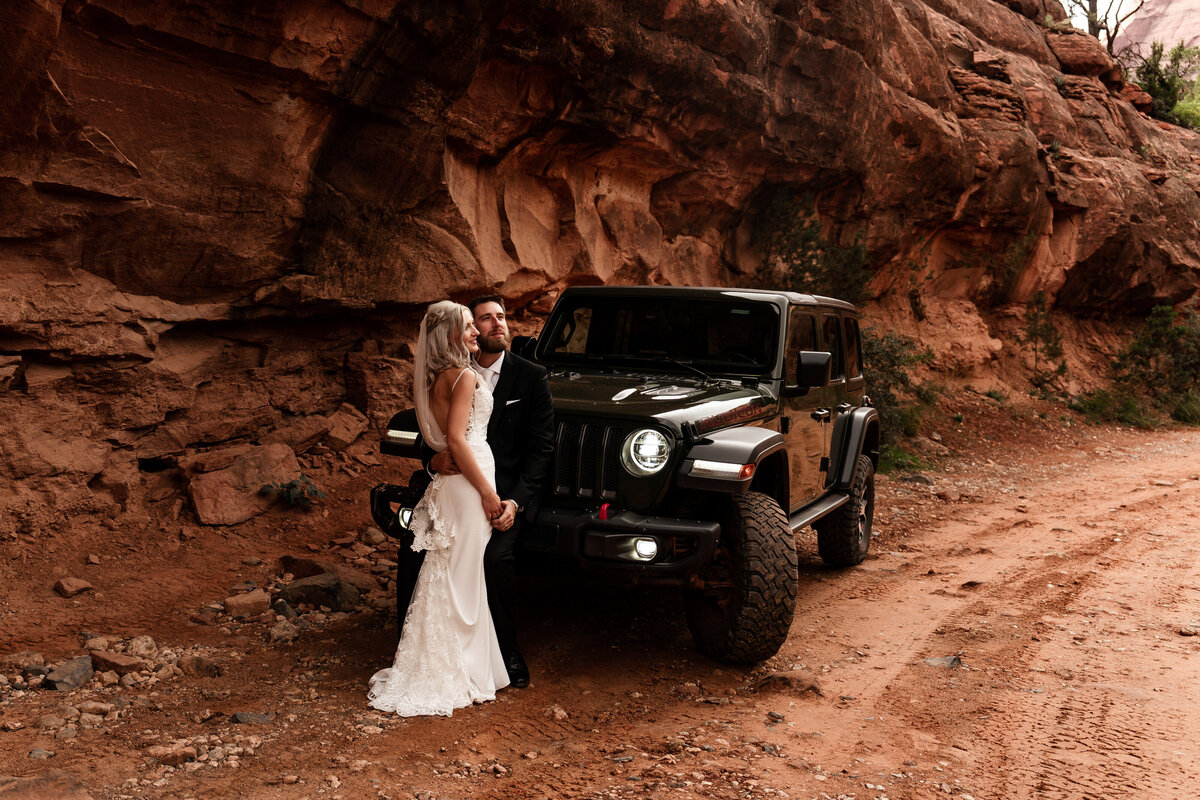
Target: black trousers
point(500, 575)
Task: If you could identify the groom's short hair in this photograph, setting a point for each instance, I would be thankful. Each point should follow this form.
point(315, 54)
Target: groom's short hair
point(486, 298)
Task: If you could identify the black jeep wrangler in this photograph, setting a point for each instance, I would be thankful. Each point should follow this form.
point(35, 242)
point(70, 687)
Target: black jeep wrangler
point(697, 431)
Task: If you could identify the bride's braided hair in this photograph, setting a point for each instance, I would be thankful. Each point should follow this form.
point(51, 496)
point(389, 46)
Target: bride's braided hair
point(445, 324)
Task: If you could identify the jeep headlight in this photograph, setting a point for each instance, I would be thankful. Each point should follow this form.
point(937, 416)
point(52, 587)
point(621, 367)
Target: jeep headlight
point(645, 452)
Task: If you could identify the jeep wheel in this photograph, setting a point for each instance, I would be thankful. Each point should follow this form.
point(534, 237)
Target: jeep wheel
point(844, 536)
point(743, 607)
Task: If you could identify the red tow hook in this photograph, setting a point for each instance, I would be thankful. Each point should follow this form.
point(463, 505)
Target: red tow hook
point(603, 511)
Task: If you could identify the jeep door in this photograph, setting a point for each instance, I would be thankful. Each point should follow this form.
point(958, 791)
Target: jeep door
point(806, 434)
point(840, 336)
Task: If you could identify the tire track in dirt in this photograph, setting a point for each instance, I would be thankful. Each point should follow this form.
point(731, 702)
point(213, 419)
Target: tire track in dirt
point(968, 581)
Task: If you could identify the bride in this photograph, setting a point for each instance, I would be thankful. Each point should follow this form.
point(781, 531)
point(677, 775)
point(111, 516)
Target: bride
point(448, 656)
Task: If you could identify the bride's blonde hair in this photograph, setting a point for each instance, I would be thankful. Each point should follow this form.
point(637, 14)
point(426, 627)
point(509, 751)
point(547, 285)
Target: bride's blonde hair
point(445, 325)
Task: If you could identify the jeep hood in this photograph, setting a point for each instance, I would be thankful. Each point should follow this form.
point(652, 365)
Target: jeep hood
point(669, 400)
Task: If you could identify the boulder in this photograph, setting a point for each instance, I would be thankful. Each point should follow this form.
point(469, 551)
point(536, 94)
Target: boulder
point(1080, 54)
point(321, 590)
point(300, 433)
point(307, 567)
point(199, 667)
point(71, 675)
point(345, 425)
point(248, 604)
point(231, 495)
point(69, 587)
point(120, 663)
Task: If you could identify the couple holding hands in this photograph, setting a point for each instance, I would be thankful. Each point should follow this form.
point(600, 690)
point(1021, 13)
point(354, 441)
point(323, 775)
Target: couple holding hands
point(488, 417)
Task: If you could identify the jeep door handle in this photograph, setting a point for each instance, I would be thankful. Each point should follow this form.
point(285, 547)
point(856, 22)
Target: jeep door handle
point(844, 407)
point(821, 415)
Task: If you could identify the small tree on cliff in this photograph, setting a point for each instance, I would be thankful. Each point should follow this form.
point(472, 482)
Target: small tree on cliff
point(1046, 342)
point(1169, 78)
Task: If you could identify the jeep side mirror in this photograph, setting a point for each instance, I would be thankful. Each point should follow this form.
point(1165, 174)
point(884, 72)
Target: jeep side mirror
point(812, 371)
point(524, 346)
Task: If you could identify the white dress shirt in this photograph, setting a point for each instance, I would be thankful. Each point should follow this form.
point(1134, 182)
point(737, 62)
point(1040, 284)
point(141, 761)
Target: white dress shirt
point(490, 375)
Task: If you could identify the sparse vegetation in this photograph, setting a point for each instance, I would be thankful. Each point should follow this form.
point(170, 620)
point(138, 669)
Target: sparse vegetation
point(1157, 374)
point(799, 257)
point(302, 492)
point(1169, 77)
point(1046, 343)
point(891, 358)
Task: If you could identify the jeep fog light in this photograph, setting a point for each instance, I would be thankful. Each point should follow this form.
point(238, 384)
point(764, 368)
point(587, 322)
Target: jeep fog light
point(645, 549)
point(645, 452)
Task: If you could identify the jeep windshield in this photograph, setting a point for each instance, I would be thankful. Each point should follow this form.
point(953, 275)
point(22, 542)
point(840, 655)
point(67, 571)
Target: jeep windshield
point(691, 335)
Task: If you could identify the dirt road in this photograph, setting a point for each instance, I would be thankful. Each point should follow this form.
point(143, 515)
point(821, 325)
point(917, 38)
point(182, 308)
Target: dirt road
point(1024, 628)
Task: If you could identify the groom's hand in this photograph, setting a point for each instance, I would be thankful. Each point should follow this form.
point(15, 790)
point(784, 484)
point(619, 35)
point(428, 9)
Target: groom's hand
point(443, 464)
point(508, 517)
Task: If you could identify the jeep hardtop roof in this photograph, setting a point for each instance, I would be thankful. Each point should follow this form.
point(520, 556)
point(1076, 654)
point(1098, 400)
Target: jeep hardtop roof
point(792, 298)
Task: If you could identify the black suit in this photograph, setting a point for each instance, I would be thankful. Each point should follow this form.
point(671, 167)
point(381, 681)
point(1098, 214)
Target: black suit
point(521, 436)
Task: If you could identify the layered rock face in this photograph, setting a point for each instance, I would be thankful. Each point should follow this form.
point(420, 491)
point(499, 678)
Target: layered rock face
point(219, 223)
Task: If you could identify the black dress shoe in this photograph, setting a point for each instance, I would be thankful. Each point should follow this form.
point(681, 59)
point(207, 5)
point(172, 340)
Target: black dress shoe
point(518, 673)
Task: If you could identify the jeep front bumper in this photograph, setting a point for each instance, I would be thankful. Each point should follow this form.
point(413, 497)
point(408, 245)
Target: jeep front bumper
point(617, 545)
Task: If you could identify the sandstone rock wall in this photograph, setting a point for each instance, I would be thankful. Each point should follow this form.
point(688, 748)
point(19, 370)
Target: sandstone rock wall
point(220, 222)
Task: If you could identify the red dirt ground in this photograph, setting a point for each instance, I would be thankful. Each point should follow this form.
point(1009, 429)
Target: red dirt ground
point(1056, 560)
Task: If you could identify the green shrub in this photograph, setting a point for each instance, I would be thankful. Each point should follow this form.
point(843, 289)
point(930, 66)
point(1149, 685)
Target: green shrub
point(1187, 409)
point(798, 256)
point(1107, 405)
point(897, 459)
point(1166, 75)
point(1188, 112)
point(1046, 342)
point(300, 492)
point(889, 359)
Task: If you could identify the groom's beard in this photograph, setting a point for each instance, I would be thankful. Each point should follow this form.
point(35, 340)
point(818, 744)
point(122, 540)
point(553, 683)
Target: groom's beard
point(489, 345)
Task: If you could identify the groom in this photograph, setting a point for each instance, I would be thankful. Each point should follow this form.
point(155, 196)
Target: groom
point(521, 435)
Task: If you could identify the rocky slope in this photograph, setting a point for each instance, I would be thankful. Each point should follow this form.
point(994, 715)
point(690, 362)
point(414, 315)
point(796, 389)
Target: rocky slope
point(219, 225)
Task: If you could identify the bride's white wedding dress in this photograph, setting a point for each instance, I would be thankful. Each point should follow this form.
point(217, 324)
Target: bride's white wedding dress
point(449, 656)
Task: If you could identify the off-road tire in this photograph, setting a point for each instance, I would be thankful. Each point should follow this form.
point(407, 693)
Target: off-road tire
point(743, 614)
point(844, 536)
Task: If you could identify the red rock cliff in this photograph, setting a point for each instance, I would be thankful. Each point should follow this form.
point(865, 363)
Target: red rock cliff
point(219, 222)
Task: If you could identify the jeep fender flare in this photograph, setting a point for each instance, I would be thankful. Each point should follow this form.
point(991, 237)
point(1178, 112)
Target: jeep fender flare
point(855, 433)
point(735, 447)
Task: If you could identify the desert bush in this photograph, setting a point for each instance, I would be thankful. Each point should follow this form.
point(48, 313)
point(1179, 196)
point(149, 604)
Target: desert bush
point(302, 492)
point(890, 359)
point(1156, 374)
point(800, 258)
point(1045, 341)
point(1168, 76)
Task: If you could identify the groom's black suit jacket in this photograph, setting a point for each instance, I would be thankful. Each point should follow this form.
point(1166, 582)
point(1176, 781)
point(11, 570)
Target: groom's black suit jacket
point(521, 431)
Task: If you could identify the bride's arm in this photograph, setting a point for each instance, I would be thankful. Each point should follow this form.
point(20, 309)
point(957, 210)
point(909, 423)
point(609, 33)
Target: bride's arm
point(456, 441)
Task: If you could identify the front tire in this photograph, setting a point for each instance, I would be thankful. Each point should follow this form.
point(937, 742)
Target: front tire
point(844, 536)
point(743, 610)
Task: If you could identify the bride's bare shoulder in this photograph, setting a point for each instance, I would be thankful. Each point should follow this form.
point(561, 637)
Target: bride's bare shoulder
point(449, 379)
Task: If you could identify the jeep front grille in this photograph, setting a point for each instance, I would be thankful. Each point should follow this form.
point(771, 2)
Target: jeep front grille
point(587, 460)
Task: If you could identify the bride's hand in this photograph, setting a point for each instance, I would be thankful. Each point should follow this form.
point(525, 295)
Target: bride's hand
point(492, 505)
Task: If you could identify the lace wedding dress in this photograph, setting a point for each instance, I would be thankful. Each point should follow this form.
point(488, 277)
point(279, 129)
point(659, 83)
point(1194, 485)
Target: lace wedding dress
point(449, 656)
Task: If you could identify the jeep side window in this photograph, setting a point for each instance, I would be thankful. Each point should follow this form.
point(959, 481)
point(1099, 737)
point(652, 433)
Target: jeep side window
point(853, 349)
point(833, 341)
point(802, 335)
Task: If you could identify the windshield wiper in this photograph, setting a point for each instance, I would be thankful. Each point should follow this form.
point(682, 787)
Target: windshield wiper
point(684, 365)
